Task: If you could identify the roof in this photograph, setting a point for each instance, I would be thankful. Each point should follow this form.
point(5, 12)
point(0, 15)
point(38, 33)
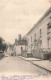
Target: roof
point(40, 20)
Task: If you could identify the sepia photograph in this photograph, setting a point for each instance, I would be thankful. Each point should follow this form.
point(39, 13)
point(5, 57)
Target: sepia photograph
point(25, 39)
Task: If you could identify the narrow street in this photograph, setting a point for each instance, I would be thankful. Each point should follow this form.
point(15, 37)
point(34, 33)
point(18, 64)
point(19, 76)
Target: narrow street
point(19, 66)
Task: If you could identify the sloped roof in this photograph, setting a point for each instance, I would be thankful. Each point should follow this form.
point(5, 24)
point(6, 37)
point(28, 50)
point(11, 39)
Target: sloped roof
point(40, 20)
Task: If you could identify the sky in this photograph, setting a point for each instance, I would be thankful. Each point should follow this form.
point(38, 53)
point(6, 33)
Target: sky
point(19, 16)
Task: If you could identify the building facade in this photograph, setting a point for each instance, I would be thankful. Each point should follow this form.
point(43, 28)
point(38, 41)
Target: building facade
point(40, 34)
point(20, 45)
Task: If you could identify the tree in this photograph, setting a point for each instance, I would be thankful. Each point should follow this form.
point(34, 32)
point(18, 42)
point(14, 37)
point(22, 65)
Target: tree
point(1, 40)
point(2, 45)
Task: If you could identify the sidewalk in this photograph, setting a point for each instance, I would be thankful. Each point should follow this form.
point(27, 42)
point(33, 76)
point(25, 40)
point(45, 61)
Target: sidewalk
point(30, 59)
point(45, 64)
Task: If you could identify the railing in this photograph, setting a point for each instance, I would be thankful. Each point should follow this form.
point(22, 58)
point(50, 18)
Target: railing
point(49, 36)
point(49, 25)
point(35, 40)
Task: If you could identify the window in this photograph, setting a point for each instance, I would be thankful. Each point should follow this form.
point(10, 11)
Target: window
point(35, 35)
point(31, 38)
point(28, 39)
point(48, 25)
point(40, 33)
point(48, 31)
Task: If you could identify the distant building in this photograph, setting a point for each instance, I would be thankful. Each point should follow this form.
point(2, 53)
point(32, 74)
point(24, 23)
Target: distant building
point(19, 37)
point(40, 34)
point(20, 45)
point(9, 48)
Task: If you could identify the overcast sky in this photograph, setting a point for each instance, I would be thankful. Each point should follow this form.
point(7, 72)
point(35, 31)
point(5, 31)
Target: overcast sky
point(19, 16)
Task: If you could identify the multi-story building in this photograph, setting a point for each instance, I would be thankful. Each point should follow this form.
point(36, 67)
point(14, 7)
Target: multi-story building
point(40, 34)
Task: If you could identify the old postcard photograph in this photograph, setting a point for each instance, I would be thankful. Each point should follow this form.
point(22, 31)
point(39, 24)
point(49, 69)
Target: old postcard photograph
point(25, 39)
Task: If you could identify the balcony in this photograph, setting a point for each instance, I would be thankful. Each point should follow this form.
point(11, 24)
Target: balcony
point(40, 36)
point(35, 40)
point(48, 35)
point(48, 38)
point(49, 25)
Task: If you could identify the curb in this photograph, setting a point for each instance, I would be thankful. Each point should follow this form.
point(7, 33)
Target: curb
point(40, 66)
point(29, 60)
point(22, 58)
point(36, 64)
